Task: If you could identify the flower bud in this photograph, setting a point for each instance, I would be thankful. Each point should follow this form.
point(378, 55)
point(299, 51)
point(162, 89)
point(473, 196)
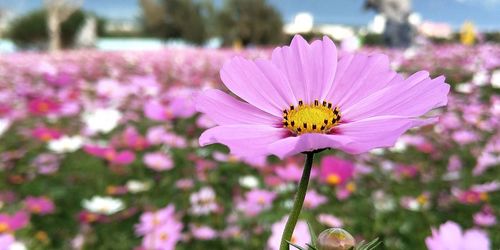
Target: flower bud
point(335, 239)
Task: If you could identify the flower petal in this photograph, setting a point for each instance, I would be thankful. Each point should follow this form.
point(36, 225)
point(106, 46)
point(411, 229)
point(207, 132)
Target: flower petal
point(376, 132)
point(310, 69)
point(259, 83)
point(306, 142)
point(243, 140)
point(359, 75)
point(414, 96)
point(226, 110)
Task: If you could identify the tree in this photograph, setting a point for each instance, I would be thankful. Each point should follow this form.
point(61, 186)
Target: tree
point(183, 19)
point(249, 22)
point(58, 11)
point(30, 30)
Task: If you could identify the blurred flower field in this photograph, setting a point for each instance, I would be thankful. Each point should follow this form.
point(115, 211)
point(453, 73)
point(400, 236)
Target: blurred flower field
point(99, 150)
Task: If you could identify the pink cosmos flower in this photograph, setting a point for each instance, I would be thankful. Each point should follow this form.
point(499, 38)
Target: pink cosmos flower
point(6, 240)
point(46, 134)
point(450, 237)
point(43, 106)
point(165, 237)
point(161, 230)
point(330, 220)
point(203, 232)
point(486, 217)
point(158, 161)
point(133, 140)
point(112, 155)
point(11, 223)
point(314, 199)
point(336, 171)
point(39, 205)
point(306, 99)
point(300, 236)
point(256, 201)
point(150, 220)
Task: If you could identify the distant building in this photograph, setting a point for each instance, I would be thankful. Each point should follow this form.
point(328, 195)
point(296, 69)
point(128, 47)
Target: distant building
point(304, 23)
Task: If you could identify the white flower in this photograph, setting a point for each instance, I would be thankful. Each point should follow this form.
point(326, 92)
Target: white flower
point(102, 120)
point(135, 186)
point(249, 181)
point(4, 125)
point(203, 201)
point(66, 144)
point(103, 205)
point(465, 88)
point(17, 246)
point(480, 78)
point(495, 79)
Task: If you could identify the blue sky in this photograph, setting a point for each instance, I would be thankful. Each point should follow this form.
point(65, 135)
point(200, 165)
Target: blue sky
point(484, 13)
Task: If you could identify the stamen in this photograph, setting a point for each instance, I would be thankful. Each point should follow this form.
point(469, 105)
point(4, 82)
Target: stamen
point(311, 118)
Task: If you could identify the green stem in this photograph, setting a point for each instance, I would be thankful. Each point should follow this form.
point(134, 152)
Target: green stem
point(297, 204)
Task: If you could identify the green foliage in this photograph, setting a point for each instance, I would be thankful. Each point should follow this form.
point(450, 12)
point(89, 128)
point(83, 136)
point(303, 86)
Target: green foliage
point(30, 30)
point(249, 22)
point(177, 19)
point(372, 39)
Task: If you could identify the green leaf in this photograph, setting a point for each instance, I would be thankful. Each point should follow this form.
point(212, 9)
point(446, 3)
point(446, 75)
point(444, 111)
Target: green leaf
point(311, 247)
point(369, 246)
point(297, 246)
point(314, 236)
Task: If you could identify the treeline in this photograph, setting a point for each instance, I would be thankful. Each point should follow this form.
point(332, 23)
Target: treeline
point(249, 22)
point(245, 22)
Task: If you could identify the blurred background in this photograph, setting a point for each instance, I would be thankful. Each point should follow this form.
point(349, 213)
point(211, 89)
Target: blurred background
point(151, 24)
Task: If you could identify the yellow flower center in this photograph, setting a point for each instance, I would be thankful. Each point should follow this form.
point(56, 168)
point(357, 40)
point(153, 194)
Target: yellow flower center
point(311, 118)
point(333, 179)
point(4, 227)
point(163, 236)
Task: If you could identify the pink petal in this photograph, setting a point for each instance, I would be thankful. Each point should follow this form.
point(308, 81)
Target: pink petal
point(476, 240)
point(359, 75)
point(306, 142)
point(414, 96)
point(259, 83)
point(155, 111)
point(243, 140)
point(310, 69)
point(376, 132)
point(226, 110)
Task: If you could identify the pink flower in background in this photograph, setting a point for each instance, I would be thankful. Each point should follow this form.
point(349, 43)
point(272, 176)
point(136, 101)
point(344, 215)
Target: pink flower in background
point(330, 220)
point(150, 220)
point(314, 199)
point(133, 140)
point(449, 236)
point(6, 240)
point(336, 171)
point(158, 161)
point(305, 99)
point(161, 230)
point(165, 237)
point(203, 232)
point(256, 201)
point(11, 223)
point(46, 134)
point(300, 236)
point(406, 171)
point(46, 163)
point(112, 155)
point(290, 172)
point(39, 205)
point(43, 106)
point(486, 217)
point(156, 111)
